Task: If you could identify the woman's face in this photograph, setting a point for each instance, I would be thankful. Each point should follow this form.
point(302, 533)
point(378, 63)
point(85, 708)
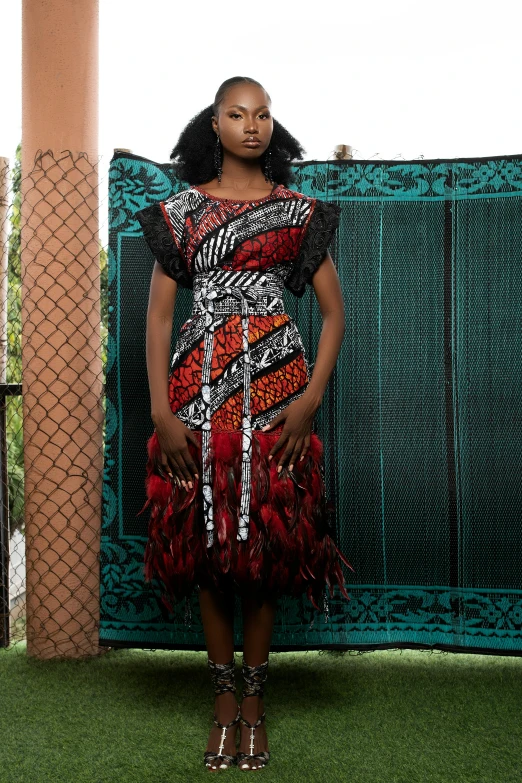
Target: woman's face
point(244, 114)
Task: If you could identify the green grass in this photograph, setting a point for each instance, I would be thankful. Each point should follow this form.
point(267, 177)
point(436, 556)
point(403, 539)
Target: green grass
point(389, 716)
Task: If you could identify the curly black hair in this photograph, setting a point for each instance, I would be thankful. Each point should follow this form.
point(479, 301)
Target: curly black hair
point(193, 156)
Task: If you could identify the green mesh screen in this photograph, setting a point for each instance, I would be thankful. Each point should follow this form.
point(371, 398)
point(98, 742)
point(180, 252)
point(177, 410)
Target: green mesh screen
point(421, 419)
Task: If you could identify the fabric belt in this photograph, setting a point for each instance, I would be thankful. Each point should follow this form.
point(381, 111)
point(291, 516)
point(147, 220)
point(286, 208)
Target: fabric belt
point(226, 292)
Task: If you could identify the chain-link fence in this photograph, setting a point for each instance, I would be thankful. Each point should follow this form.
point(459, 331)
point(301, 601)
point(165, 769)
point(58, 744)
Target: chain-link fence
point(53, 345)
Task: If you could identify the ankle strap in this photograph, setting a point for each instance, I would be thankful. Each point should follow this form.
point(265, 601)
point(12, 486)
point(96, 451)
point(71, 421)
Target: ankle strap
point(254, 677)
point(222, 676)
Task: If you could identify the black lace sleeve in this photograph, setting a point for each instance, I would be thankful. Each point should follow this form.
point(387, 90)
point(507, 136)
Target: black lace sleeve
point(314, 244)
point(158, 236)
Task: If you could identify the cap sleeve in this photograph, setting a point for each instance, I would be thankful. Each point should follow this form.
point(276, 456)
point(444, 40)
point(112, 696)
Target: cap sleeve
point(318, 233)
point(159, 235)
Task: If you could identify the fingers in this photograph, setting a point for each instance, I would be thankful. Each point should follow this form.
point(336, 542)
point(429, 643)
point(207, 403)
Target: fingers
point(304, 450)
point(277, 445)
point(290, 454)
point(296, 449)
point(190, 435)
point(179, 467)
point(165, 469)
point(190, 465)
point(173, 470)
point(187, 466)
point(295, 453)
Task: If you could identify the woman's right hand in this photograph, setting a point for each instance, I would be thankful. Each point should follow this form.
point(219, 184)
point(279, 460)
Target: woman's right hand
point(176, 459)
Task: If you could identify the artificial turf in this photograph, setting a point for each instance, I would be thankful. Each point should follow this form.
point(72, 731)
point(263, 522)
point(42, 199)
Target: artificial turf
point(389, 716)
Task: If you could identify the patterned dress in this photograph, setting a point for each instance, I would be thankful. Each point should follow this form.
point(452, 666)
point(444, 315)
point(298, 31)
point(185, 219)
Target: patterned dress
point(239, 360)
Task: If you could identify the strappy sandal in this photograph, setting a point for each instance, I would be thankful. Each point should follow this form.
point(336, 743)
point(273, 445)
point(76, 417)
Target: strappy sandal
point(254, 677)
point(222, 675)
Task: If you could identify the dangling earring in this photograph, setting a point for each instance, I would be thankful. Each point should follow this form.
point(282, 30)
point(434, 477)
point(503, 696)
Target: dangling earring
point(218, 158)
point(268, 166)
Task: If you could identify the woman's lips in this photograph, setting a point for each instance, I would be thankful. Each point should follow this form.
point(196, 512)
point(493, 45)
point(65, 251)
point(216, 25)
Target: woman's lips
point(254, 143)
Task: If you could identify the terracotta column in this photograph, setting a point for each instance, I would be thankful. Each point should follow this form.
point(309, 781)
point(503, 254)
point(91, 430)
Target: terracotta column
point(61, 359)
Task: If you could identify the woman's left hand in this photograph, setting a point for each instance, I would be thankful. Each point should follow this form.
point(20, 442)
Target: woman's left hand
point(297, 418)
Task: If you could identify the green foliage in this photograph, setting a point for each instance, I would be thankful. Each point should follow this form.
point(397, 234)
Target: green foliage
point(14, 434)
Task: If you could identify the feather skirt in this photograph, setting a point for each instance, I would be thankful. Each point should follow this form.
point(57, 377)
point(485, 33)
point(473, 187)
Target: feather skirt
point(290, 548)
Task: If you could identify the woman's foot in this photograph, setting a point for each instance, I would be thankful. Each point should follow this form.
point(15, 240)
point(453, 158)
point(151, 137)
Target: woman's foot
point(225, 710)
point(252, 708)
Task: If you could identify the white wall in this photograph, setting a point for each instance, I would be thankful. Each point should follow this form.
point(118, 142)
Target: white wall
point(406, 79)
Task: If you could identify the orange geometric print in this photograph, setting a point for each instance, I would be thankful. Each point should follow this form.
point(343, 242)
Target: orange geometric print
point(185, 377)
point(265, 392)
point(228, 340)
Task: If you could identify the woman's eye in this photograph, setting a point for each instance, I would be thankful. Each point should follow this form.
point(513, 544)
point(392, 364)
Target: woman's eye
point(238, 115)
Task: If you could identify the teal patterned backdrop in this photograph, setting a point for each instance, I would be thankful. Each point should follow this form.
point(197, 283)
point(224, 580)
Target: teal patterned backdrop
point(421, 420)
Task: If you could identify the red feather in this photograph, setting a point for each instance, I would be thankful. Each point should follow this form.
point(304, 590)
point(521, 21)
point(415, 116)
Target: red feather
point(289, 549)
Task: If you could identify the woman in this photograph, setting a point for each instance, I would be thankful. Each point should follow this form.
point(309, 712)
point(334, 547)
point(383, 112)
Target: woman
point(235, 477)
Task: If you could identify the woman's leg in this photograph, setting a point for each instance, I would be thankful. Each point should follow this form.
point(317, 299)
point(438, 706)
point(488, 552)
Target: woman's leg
point(217, 614)
point(258, 624)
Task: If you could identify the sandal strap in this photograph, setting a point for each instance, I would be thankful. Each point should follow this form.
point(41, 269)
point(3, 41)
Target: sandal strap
point(222, 676)
point(210, 756)
point(258, 722)
point(228, 725)
point(264, 755)
point(254, 677)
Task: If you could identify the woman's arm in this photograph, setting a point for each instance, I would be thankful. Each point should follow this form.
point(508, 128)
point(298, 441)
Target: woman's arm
point(329, 295)
point(299, 414)
point(160, 316)
point(172, 433)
